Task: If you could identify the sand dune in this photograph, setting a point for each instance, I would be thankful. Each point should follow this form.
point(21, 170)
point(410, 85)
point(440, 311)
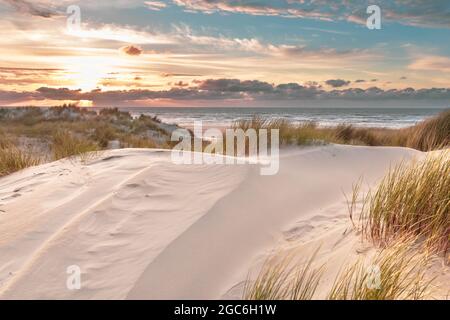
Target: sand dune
point(140, 227)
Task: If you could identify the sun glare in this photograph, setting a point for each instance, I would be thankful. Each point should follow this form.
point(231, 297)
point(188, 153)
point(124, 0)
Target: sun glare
point(85, 103)
point(87, 72)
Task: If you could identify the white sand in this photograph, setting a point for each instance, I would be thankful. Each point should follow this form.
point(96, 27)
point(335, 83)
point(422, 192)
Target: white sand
point(141, 227)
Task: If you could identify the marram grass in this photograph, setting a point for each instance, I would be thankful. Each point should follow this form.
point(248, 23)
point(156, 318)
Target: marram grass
point(407, 216)
point(395, 273)
point(281, 279)
point(412, 199)
point(13, 159)
point(66, 145)
point(430, 134)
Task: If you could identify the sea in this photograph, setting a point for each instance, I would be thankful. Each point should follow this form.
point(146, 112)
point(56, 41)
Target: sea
point(224, 117)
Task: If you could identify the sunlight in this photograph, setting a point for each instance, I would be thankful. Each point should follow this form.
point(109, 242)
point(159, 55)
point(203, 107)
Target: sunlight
point(85, 103)
point(86, 72)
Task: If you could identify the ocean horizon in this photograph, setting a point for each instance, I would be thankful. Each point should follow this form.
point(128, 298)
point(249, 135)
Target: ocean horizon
point(323, 116)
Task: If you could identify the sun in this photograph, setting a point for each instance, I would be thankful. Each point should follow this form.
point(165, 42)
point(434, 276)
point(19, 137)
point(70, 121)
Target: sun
point(86, 73)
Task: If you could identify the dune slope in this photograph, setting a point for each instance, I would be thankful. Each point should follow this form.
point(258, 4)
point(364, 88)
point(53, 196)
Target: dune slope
point(141, 227)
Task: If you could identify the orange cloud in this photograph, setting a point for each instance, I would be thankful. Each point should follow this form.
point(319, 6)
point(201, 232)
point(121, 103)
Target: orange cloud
point(131, 50)
point(431, 63)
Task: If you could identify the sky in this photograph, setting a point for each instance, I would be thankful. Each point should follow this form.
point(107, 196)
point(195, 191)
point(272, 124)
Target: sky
point(224, 53)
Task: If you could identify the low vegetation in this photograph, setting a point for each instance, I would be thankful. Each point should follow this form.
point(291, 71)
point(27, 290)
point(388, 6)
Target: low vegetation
point(12, 158)
point(280, 279)
point(70, 131)
point(428, 135)
point(395, 273)
point(66, 145)
point(411, 199)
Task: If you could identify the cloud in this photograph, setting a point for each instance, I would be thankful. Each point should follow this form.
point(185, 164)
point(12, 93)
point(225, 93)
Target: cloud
point(226, 90)
point(337, 83)
point(26, 7)
point(17, 76)
point(434, 13)
point(431, 63)
point(263, 8)
point(155, 5)
point(181, 84)
point(7, 97)
point(131, 50)
point(183, 35)
point(235, 85)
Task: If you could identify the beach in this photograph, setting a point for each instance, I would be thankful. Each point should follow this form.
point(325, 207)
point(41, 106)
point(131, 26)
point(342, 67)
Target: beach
point(141, 227)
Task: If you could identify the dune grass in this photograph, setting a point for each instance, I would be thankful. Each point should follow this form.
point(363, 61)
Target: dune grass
point(280, 279)
point(396, 273)
point(70, 131)
point(407, 217)
point(430, 134)
point(66, 145)
point(411, 199)
point(13, 159)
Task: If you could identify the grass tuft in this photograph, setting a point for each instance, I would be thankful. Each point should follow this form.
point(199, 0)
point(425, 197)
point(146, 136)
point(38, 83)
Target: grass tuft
point(397, 273)
point(280, 280)
point(13, 159)
point(67, 145)
point(412, 199)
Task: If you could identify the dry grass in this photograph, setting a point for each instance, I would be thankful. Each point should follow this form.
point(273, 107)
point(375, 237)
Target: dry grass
point(13, 159)
point(411, 199)
point(430, 134)
point(130, 141)
point(408, 216)
point(69, 131)
point(397, 273)
point(279, 279)
point(66, 145)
